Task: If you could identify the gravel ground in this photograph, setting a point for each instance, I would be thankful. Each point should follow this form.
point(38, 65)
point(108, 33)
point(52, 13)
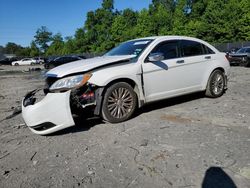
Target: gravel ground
point(188, 141)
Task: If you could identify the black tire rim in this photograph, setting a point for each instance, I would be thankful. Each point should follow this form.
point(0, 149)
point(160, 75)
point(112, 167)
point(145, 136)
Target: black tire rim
point(120, 103)
point(217, 84)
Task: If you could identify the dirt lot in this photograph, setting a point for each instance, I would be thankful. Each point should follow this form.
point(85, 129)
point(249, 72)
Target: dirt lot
point(189, 141)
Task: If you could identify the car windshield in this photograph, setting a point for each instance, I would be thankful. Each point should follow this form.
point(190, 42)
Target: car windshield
point(134, 47)
point(242, 50)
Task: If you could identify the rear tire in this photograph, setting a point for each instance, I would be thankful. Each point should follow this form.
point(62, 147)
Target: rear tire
point(119, 103)
point(216, 84)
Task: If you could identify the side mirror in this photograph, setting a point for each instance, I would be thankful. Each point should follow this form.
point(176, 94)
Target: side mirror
point(155, 57)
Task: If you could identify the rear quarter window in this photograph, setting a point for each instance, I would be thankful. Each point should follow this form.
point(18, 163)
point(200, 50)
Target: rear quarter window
point(207, 50)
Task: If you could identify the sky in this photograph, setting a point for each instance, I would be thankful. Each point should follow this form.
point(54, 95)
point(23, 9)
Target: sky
point(20, 19)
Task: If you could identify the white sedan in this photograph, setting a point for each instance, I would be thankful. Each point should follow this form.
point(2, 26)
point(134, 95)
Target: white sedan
point(129, 76)
point(25, 61)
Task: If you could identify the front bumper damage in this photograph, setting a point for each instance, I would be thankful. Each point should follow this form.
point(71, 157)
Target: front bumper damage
point(55, 111)
point(49, 115)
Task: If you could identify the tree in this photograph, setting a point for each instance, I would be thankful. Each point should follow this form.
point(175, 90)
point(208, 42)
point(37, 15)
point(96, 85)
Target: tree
point(18, 50)
point(123, 26)
point(12, 48)
point(168, 4)
point(216, 21)
point(98, 27)
point(69, 46)
point(34, 50)
point(145, 26)
point(161, 18)
point(244, 21)
point(43, 37)
point(1, 49)
point(211, 20)
point(56, 47)
point(81, 41)
point(108, 5)
point(180, 19)
point(23, 52)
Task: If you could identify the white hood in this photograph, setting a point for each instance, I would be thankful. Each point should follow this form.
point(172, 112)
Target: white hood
point(85, 65)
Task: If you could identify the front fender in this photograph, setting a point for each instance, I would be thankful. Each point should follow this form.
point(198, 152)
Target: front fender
point(105, 76)
point(102, 77)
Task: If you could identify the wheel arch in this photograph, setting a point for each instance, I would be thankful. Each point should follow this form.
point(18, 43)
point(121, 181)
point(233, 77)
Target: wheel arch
point(209, 90)
point(126, 80)
point(219, 68)
point(207, 76)
point(129, 81)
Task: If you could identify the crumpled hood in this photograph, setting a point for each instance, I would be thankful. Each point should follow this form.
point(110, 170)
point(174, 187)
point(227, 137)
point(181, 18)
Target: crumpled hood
point(85, 65)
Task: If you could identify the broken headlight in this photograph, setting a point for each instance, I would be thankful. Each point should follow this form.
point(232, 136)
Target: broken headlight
point(70, 82)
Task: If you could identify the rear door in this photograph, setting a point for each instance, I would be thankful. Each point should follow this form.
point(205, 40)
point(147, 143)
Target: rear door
point(196, 57)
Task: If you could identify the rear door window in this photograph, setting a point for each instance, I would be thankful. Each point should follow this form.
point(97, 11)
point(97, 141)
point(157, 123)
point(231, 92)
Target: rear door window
point(191, 48)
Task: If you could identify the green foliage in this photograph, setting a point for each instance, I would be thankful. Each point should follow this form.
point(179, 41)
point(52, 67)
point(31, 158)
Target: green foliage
point(108, 5)
point(211, 20)
point(69, 46)
point(244, 21)
point(180, 19)
point(144, 26)
point(13, 48)
point(56, 46)
point(43, 37)
point(34, 50)
point(123, 26)
point(162, 19)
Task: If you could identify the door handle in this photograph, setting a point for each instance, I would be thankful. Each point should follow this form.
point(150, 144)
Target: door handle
point(180, 61)
point(207, 57)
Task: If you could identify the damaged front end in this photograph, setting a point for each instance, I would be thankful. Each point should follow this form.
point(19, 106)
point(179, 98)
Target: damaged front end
point(52, 108)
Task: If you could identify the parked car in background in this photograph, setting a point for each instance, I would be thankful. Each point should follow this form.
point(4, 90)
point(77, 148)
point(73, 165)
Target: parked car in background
point(25, 61)
point(39, 60)
point(241, 57)
point(232, 50)
point(7, 61)
point(61, 60)
point(129, 76)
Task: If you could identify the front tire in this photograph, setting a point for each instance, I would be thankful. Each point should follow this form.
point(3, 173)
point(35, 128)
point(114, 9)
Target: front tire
point(216, 84)
point(119, 103)
point(248, 62)
point(16, 64)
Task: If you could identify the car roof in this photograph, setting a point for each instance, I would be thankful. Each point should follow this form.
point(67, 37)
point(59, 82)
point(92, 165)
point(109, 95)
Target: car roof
point(177, 37)
point(167, 37)
point(172, 37)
